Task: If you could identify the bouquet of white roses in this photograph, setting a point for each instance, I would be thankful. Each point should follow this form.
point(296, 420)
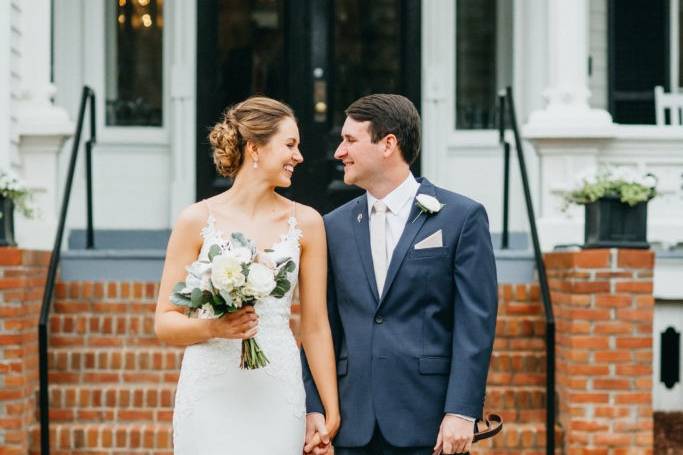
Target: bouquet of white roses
point(233, 276)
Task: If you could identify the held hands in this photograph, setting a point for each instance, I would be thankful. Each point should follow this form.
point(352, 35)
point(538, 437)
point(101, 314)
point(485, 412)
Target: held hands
point(241, 325)
point(455, 435)
point(319, 433)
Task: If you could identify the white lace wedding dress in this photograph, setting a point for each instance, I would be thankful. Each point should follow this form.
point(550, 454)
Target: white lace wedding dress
point(221, 409)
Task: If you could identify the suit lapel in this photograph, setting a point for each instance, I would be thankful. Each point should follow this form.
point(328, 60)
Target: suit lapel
point(361, 231)
point(409, 232)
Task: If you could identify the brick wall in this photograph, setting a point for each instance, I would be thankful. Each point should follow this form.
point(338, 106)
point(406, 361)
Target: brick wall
point(112, 382)
point(22, 278)
point(604, 306)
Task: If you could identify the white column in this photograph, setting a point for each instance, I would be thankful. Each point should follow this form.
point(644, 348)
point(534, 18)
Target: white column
point(42, 126)
point(183, 104)
point(36, 113)
point(567, 134)
point(567, 113)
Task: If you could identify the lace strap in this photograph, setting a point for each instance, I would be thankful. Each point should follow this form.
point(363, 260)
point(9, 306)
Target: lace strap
point(210, 220)
point(294, 230)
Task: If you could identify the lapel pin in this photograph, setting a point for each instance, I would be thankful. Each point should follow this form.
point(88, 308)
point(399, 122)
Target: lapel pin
point(360, 217)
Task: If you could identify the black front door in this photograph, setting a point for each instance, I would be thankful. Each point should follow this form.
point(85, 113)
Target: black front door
point(316, 55)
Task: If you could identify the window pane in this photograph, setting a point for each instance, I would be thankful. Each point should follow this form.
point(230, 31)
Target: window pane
point(483, 60)
point(134, 63)
point(367, 57)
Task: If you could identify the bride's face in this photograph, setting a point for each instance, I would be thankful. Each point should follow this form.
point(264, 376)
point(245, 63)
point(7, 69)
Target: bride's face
point(278, 158)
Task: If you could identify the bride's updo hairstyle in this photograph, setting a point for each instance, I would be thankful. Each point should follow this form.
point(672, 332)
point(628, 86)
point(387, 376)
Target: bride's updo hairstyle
point(256, 120)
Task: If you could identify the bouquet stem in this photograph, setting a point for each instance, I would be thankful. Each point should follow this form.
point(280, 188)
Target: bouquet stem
point(252, 355)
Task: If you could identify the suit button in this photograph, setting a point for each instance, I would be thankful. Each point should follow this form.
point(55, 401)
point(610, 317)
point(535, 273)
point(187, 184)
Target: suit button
point(379, 319)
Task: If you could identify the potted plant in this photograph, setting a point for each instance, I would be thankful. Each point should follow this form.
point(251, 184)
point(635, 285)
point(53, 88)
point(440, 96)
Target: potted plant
point(615, 200)
point(13, 194)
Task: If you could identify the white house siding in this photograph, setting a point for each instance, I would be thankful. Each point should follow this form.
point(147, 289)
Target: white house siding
point(597, 50)
point(15, 12)
point(131, 176)
point(4, 82)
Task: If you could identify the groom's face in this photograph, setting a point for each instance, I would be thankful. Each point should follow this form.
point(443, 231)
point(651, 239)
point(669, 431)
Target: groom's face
point(361, 158)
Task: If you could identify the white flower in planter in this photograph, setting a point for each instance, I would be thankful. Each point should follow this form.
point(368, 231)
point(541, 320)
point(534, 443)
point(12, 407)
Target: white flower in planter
point(13, 188)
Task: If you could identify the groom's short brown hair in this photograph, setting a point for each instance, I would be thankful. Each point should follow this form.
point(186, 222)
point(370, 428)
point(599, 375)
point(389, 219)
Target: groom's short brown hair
point(390, 114)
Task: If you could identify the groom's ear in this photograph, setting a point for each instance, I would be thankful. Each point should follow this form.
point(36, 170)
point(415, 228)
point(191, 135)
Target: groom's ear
point(390, 145)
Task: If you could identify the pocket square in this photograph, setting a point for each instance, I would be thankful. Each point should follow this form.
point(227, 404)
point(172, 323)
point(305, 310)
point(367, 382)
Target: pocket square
point(433, 241)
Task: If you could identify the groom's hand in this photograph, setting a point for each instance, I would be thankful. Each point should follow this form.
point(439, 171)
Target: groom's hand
point(317, 438)
point(455, 435)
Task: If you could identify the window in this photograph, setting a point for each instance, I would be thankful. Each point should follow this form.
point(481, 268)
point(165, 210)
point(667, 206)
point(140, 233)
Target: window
point(483, 63)
point(638, 58)
point(134, 63)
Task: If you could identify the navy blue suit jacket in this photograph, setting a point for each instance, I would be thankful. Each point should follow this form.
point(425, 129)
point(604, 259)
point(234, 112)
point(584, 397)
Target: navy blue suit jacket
point(422, 348)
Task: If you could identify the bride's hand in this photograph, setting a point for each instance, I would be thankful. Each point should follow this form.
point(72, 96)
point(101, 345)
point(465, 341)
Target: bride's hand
point(241, 325)
point(332, 423)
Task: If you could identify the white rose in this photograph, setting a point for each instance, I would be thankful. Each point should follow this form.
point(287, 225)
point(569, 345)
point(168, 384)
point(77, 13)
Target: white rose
point(226, 272)
point(430, 203)
point(242, 254)
point(198, 276)
point(261, 280)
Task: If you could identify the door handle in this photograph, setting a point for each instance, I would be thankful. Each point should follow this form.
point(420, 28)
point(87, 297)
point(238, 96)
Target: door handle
point(320, 100)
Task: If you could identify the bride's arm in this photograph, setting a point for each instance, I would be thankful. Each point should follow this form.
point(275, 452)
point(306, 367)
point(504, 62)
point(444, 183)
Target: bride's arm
point(170, 321)
point(316, 336)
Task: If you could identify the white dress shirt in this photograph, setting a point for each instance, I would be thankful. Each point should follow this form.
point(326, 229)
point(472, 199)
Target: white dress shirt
point(399, 204)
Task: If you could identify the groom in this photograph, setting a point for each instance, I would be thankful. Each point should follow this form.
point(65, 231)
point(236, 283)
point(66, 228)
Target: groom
point(412, 297)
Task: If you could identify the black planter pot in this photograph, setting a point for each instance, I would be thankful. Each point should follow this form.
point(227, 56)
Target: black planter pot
point(6, 222)
point(612, 224)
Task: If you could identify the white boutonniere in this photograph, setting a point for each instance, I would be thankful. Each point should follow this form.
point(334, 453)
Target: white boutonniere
point(427, 204)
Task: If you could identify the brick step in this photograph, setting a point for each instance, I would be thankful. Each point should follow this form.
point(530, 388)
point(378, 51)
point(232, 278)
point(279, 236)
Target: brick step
point(108, 360)
point(518, 361)
point(520, 326)
point(536, 343)
point(518, 439)
point(112, 403)
point(92, 438)
point(106, 324)
point(106, 439)
point(519, 404)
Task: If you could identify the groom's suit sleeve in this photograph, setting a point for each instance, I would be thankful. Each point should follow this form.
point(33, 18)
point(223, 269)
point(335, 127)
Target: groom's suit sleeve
point(313, 403)
point(474, 313)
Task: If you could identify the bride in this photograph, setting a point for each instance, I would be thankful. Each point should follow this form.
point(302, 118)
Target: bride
point(219, 407)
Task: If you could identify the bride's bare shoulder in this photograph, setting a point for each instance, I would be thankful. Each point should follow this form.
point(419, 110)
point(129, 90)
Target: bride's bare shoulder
point(192, 218)
point(308, 218)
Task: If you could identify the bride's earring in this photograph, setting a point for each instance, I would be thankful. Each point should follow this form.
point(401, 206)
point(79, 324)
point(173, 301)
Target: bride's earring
point(255, 165)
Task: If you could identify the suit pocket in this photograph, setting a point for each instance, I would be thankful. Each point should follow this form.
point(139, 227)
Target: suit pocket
point(428, 253)
point(342, 367)
point(434, 365)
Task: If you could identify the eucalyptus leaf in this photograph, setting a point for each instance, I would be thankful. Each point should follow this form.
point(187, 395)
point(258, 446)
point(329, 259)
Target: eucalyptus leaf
point(196, 298)
point(180, 285)
point(180, 300)
point(240, 239)
point(214, 251)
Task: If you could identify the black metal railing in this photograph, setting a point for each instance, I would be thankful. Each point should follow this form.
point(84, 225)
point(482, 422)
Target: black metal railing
point(507, 106)
point(44, 399)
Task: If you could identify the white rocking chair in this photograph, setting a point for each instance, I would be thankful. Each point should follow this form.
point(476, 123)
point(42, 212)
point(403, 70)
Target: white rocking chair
point(671, 101)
